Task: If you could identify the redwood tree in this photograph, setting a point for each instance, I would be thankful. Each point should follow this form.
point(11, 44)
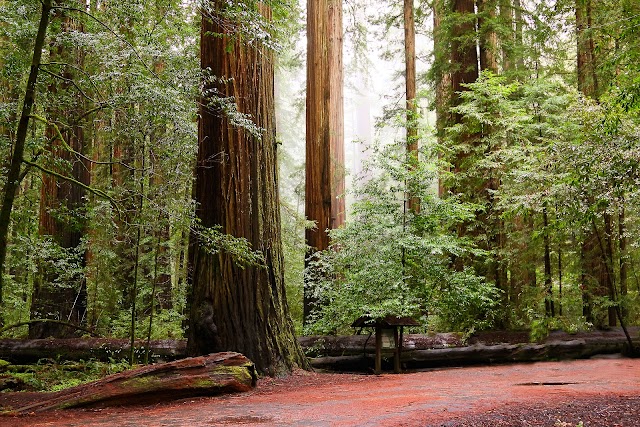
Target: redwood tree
point(65, 301)
point(324, 185)
point(410, 83)
point(235, 307)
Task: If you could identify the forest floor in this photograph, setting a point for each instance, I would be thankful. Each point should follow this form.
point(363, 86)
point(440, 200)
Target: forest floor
point(596, 392)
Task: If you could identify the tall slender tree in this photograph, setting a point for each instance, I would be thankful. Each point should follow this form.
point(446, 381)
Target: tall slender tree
point(413, 203)
point(233, 307)
point(61, 200)
point(15, 172)
point(324, 185)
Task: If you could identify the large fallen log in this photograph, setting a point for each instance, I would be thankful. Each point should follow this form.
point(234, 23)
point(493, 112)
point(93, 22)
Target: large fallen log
point(197, 376)
point(439, 349)
point(351, 353)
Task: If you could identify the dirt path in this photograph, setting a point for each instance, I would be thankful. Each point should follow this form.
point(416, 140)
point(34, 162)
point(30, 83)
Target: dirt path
point(417, 399)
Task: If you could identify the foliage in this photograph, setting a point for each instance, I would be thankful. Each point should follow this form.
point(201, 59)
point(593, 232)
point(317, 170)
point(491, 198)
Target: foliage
point(387, 261)
point(49, 375)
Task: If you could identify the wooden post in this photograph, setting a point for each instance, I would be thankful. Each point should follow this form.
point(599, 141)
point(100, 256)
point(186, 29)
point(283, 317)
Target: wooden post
point(396, 356)
point(378, 366)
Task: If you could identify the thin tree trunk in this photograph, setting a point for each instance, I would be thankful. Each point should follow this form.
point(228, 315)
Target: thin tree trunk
point(442, 77)
point(412, 107)
point(233, 307)
point(548, 284)
point(624, 271)
point(611, 283)
point(13, 174)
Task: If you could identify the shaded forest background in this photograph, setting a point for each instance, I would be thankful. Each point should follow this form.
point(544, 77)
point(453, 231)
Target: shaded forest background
point(501, 192)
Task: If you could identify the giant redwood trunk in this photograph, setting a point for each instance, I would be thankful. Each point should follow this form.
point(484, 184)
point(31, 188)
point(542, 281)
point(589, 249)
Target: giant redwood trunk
point(234, 307)
point(61, 199)
point(324, 185)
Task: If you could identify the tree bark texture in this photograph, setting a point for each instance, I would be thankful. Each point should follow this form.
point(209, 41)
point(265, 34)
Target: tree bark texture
point(442, 77)
point(586, 58)
point(325, 122)
point(412, 106)
point(198, 376)
point(233, 307)
point(62, 199)
point(464, 63)
point(487, 35)
point(13, 174)
point(324, 177)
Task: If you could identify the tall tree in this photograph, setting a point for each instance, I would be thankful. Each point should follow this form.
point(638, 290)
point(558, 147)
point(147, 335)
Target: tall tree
point(15, 172)
point(410, 83)
point(61, 200)
point(324, 186)
point(596, 274)
point(233, 307)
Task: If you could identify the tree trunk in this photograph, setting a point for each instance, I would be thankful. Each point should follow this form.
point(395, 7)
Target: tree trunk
point(60, 199)
point(13, 174)
point(442, 76)
point(234, 307)
point(586, 65)
point(594, 260)
point(624, 269)
point(199, 376)
point(487, 35)
point(549, 307)
point(324, 185)
point(413, 203)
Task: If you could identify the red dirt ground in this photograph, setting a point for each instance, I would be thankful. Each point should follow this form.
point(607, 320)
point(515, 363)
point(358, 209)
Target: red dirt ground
point(599, 392)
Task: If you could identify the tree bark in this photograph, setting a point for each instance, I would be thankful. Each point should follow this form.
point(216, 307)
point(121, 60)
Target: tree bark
point(234, 307)
point(324, 184)
point(413, 203)
point(586, 61)
point(442, 77)
point(487, 35)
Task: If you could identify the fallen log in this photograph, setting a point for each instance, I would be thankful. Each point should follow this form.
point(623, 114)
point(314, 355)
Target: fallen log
point(320, 347)
point(353, 345)
point(197, 376)
point(24, 351)
point(476, 354)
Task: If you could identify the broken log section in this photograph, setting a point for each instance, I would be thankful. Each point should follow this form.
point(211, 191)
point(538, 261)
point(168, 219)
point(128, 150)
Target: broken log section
point(197, 376)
